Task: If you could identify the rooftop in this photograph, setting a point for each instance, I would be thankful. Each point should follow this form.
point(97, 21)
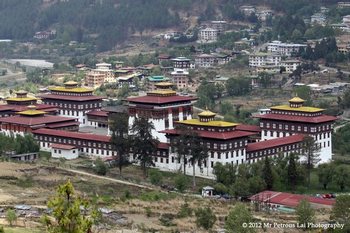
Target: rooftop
point(215, 135)
point(297, 109)
point(209, 123)
point(160, 99)
point(76, 135)
point(74, 89)
point(306, 119)
point(277, 142)
point(63, 146)
point(39, 120)
point(71, 97)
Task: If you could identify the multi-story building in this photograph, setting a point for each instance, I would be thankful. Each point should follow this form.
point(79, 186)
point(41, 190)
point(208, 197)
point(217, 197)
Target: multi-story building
point(181, 63)
point(73, 101)
point(247, 9)
point(208, 35)
point(263, 15)
point(20, 103)
point(343, 4)
point(285, 49)
point(218, 25)
point(286, 120)
point(346, 20)
point(225, 144)
point(162, 107)
point(262, 59)
point(31, 119)
point(180, 78)
point(319, 19)
point(290, 65)
point(94, 80)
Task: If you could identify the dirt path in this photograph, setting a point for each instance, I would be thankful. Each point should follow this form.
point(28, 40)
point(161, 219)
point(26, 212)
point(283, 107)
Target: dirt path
point(107, 178)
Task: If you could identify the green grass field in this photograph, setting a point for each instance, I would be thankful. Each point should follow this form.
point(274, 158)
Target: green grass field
point(21, 230)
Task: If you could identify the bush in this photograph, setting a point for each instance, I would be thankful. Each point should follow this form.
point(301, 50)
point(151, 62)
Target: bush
point(181, 183)
point(100, 167)
point(11, 216)
point(155, 177)
point(148, 212)
point(185, 211)
point(205, 218)
point(2, 229)
point(167, 220)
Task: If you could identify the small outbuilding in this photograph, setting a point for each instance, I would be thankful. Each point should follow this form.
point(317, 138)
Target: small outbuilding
point(207, 191)
point(64, 151)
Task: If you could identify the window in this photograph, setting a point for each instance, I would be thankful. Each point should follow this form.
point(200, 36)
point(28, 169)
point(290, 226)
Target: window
point(55, 151)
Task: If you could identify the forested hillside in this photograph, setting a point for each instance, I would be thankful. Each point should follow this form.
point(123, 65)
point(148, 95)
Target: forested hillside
point(113, 20)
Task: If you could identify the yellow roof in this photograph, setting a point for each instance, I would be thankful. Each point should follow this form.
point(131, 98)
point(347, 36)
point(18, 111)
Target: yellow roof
point(32, 112)
point(75, 89)
point(210, 123)
point(296, 99)
point(207, 113)
point(300, 109)
point(21, 99)
point(162, 92)
point(164, 84)
point(71, 83)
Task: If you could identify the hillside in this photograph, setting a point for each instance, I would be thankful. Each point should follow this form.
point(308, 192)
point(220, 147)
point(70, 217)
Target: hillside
point(109, 22)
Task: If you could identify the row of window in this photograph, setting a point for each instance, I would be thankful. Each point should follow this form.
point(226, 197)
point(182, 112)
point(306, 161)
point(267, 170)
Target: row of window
point(74, 142)
point(74, 106)
point(293, 127)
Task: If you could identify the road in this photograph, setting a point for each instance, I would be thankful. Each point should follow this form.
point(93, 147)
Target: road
point(322, 67)
point(342, 125)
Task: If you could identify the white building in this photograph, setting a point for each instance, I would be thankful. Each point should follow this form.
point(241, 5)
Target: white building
point(247, 9)
point(346, 20)
point(319, 19)
point(264, 14)
point(286, 49)
point(263, 59)
point(64, 151)
point(290, 65)
point(208, 35)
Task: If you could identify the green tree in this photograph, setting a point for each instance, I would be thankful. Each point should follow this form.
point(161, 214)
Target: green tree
point(292, 172)
point(11, 217)
point(238, 216)
point(341, 176)
point(2, 229)
point(100, 167)
point(341, 211)
point(120, 139)
point(225, 174)
point(155, 177)
point(304, 92)
point(325, 173)
point(72, 214)
point(305, 213)
point(181, 182)
point(311, 154)
point(267, 173)
point(144, 145)
point(205, 218)
point(198, 155)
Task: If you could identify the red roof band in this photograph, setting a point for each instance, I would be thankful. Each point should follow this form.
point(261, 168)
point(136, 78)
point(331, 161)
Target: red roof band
point(63, 146)
point(71, 97)
point(75, 135)
point(277, 142)
point(285, 117)
point(39, 120)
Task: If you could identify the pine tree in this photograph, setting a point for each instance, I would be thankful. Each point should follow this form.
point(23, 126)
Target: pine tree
point(199, 153)
point(292, 172)
point(144, 146)
point(311, 154)
point(305, 213)
point(120, 139)
point(267, 173)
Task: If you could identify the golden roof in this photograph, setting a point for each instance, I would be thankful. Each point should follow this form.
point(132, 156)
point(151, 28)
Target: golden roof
point(162, 92)
point(207, 113)
point(300, 109)
point(19, 99)
point(210, 123)
point(296, 99)
point(31, 112)
point(70, 83)
point(75, 89)
point(164, 84)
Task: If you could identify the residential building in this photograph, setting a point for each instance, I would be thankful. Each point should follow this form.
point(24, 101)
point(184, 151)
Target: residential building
point(162, 107)
point(102, 74)
point(211, 60)
point(220, 26)
point(263, 15)
point(181, 63)
point(151, 82)
point(262, 59)
point(318, 19)
point(208, 35)
point(94, 80)
point(295, 118)
point(346, 20)
point(343, 4)
point(285, 49)
point(180, 78)
point(247, 9)
point(73, 101)
point(290, 65)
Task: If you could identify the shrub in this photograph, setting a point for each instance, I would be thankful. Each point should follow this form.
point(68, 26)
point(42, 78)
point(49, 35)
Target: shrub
point(2, 229)
point(100, 167)
point(148, 212)
point(205, 218)
point(155, 177)
point(11, 216)
point(181, 182)
point(167, 220)
point(185, 211)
